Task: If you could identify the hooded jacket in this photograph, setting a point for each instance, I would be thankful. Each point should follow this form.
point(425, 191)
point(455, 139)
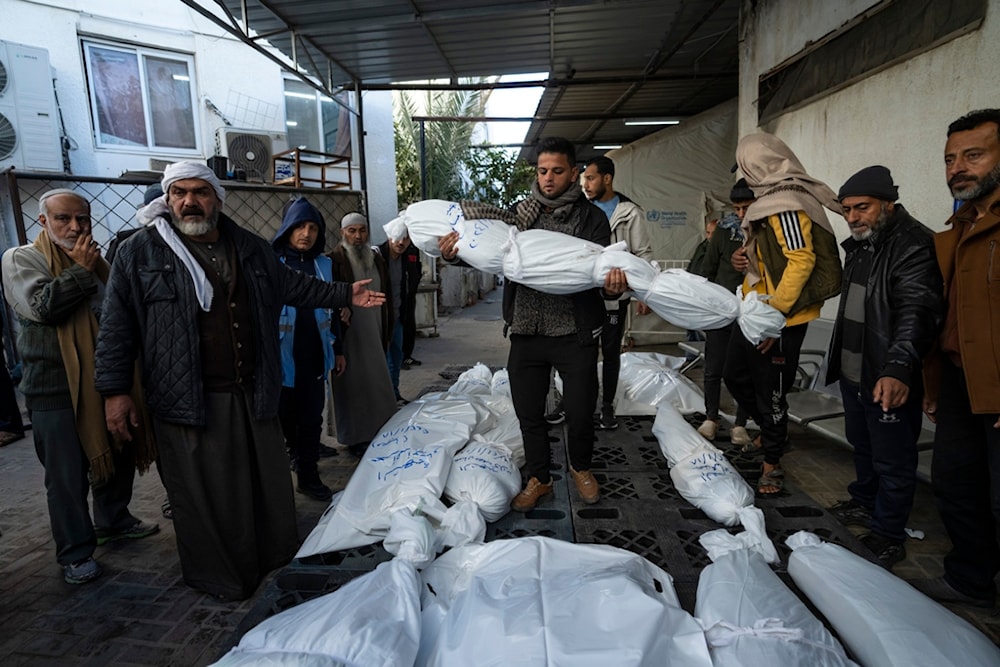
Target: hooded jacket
point(303, 347)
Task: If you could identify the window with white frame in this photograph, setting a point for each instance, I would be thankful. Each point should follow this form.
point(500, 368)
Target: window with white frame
point(314, 120)
point(141, 98)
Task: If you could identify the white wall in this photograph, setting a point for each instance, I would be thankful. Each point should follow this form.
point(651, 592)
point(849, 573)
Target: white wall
point(380, 153)
point(225, 69)
point(897, 117)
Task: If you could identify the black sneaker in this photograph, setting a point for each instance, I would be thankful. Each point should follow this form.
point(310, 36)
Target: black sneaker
point(889, 552)
point(607, 422)
point(557, 417)
point(314, 488)
point(82, 571)
point(851, 513)
point(136, 531)
point(410, 361)
point(325, 452)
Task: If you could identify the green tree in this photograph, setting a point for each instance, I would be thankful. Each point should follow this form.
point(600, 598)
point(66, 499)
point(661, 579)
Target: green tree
point(496, 176)
point(446, 142)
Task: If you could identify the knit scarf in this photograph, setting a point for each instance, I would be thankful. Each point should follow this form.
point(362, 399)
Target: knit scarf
point(77, 337)
point(526, 212)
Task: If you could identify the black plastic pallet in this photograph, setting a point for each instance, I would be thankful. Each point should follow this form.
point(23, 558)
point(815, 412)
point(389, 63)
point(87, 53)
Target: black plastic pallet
point(452, 372)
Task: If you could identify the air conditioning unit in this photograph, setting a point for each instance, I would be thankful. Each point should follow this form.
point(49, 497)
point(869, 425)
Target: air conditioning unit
point(29, 128)
point(249, 152)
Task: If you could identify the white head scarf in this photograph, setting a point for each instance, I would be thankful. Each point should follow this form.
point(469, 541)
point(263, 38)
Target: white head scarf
point(179, 171)
point(353, 219)
point(157, 212)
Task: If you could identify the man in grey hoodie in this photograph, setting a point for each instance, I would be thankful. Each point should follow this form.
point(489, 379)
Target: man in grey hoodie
point(627, 224)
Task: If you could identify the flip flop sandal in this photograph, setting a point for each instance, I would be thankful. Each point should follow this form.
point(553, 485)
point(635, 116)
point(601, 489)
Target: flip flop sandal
point(775, 478)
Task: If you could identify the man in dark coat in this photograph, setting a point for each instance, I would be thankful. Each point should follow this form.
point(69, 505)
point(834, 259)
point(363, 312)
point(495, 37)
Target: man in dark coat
point(197, 299)
point(890, 310)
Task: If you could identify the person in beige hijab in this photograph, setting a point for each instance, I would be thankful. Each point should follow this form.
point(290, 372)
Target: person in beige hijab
point(791, 257)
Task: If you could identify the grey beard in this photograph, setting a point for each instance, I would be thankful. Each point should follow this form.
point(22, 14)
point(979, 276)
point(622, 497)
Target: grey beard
point(360, 256)
point(65, 244)
point(196, 228)
point(981, 188)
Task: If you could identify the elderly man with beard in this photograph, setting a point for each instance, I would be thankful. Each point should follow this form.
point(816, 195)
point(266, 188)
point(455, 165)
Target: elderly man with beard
point(363, 398)
point(890, 311)
point(55, 286)
point(963, 375)
point(197, 300)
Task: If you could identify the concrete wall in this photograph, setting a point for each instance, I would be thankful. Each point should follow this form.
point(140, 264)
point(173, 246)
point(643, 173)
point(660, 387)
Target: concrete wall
point(226, 71)
point(897, 117)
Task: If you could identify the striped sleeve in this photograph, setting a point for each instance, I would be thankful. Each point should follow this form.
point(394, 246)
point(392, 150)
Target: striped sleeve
point(791, 229)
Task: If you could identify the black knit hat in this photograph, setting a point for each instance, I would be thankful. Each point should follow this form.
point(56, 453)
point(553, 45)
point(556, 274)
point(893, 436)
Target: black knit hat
point(875, 181)
point(741, 191)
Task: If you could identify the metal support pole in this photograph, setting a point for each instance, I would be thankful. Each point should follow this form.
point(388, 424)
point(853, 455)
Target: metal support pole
point(423, 159)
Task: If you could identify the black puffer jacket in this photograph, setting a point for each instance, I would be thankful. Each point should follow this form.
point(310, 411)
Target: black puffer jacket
point(150, 311)
point(904, 303)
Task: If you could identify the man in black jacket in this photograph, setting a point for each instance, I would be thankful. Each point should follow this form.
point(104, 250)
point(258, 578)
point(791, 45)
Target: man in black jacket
point(197, 300)
point(890, 311)
point(555, 331)
point(403, 265)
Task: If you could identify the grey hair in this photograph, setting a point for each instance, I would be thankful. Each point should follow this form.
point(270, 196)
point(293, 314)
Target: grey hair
point(43, 209)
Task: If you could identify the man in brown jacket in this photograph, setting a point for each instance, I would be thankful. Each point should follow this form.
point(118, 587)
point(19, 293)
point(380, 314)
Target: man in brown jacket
point(963, 377)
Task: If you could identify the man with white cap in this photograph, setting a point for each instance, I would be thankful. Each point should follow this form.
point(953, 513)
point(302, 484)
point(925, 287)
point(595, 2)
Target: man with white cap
point(197, 299)
point(363, 397)
point(55, 287)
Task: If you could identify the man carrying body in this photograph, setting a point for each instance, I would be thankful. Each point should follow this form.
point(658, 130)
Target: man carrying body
point(362, 396)
point(555, 331)
point(627, 223)
point(716, 267)
point(797, 265)
point(403, 268)
point(197, 299)
point(889, 314)
point(963, 375)
point(310, 347)
point(55, 285)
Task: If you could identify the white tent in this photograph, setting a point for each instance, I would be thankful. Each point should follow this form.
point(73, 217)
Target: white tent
point(681, 177)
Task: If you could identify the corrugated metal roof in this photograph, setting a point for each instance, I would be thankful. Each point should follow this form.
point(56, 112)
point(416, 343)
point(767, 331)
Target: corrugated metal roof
point(607, 59)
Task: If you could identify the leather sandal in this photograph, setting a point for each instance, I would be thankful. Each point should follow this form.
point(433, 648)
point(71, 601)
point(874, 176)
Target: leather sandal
point(775, 478)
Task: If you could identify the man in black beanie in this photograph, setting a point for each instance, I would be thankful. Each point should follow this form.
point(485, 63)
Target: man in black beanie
point(890, 310)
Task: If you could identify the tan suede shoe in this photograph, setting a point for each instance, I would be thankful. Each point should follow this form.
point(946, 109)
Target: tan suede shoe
point(589, 490)
point(528, 498)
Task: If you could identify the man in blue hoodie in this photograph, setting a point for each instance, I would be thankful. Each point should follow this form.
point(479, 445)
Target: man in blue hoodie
point(310, 346)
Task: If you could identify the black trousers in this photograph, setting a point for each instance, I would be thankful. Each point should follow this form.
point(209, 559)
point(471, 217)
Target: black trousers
point(529, 365)
point(611, 350)
point(885, 457)
point(10, 411)
point(409, 317)
point(300, 411)
point(67, 485)
point(760, 382)
point(965, 472)
point(716, 349)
